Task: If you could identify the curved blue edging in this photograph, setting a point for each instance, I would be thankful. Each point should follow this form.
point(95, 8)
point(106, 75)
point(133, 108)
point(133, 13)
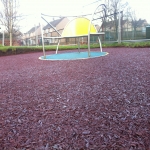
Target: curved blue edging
point(73, 56)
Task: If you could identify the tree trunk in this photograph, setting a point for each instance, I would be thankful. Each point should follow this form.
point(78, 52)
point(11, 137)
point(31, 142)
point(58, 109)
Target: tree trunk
point(11, 17)
point(10, 39)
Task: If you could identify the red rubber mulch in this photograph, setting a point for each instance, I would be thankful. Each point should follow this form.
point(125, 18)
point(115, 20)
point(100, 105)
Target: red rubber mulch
point(97, 104)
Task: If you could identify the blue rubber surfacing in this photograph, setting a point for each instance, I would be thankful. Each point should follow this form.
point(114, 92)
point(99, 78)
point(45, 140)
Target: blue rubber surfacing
point(73, 56)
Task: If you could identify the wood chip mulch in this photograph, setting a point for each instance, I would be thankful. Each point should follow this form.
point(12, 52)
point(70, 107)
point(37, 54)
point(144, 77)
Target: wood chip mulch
point(93, 104)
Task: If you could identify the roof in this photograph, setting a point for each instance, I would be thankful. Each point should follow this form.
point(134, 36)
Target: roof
point(139, 22)
point(110, 24)
point(54, 23)
point(33, 29)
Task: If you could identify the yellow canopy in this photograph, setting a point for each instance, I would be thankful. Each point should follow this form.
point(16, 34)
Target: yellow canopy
point(78, 27)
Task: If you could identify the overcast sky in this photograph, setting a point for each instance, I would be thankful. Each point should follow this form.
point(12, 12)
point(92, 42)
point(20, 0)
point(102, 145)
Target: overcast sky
point(141, 7)
point(33, 8)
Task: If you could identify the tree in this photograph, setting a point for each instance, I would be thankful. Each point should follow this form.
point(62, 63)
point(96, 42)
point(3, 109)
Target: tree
point(114, 6)
point(9, 17)
point(135, 22)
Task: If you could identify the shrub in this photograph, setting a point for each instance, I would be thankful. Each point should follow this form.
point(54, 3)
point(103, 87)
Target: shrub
point(4, 50)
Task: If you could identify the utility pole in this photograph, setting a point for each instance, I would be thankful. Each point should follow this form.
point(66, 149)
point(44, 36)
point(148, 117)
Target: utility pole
point(10, 19)
point(37, 27)
point(35, 34)
point(42, 39)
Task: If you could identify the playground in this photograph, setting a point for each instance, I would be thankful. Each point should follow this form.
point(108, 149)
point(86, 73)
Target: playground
point(81, 99)
point(96, 103)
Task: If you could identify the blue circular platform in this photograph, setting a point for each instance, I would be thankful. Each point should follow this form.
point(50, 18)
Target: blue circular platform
point(73, 56)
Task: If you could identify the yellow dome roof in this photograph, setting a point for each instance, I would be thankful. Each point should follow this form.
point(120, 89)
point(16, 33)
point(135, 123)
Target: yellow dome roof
point(77, 27)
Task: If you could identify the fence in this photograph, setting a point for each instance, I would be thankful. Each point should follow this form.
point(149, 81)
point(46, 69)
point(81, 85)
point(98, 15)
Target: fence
point(15, 42)
point(130, 30)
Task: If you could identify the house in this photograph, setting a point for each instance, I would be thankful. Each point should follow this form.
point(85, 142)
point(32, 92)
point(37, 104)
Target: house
point(129, 29)
point(59, 25)
point(139, 24)
point(33, 36)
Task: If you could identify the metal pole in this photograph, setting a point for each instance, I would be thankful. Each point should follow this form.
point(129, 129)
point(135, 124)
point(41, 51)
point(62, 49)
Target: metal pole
point(35, 34)
point(79, 45)
point(89, 30)
point(57, 46)
point(119, 27)
point(51, 25)
point(37, 28)
point(42, 41)
point(100, 45)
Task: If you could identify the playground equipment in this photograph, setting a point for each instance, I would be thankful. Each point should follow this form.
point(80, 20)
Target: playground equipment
point(79, 27)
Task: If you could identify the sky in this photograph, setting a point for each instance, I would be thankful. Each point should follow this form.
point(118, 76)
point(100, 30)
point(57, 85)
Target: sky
point(33, 8)
point(141, 8)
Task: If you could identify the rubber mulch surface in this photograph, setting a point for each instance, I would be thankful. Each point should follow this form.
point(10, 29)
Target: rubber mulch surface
point(95, 104)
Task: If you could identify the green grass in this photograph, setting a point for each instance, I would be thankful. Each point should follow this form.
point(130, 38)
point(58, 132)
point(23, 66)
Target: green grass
point(129, 44)
point(24, 49)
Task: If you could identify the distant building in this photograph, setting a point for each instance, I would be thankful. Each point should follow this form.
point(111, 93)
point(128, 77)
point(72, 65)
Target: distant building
point(33, 36)
point(59, 25)
point(129, 29)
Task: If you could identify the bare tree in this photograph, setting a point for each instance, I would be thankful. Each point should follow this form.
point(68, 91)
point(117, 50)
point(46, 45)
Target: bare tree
point(135, 22)
point(9, 17)
point(114, 8)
